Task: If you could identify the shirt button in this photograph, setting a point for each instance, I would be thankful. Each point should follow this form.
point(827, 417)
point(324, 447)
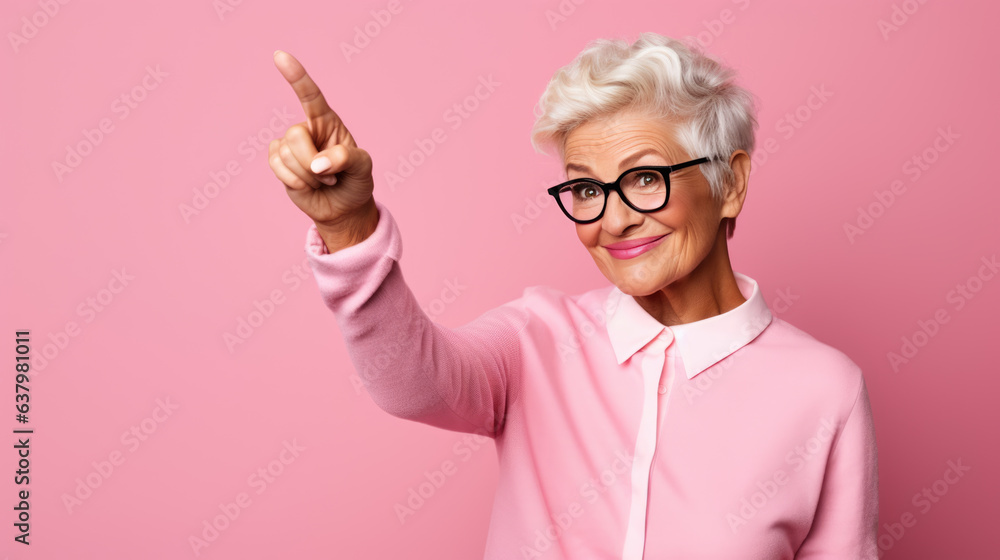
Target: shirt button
point(663, 390)
point(666, 335)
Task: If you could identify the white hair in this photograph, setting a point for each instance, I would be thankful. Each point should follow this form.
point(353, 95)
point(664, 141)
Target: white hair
point(660, 77)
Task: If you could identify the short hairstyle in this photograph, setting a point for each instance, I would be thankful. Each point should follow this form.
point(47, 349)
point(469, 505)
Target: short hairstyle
point(664, 78)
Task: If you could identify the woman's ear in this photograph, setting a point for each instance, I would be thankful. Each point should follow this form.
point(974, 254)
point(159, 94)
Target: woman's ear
point(732, 201)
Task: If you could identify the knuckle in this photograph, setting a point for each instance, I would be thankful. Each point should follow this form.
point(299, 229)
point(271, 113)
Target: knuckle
point(341, 152)
point(297, 131)
point(285, 152)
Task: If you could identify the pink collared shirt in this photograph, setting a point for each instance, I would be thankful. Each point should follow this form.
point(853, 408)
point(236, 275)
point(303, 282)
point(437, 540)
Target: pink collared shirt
point(737, 437)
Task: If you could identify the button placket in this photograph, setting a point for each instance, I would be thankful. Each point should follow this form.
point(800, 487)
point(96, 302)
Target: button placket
point(665, 390)
point(653, 358)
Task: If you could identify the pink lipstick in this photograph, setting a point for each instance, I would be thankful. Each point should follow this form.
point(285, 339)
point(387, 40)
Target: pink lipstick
point(634, 247)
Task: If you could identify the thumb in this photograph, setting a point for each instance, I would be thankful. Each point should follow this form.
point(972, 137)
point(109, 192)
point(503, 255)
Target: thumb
point(353, 162)
point(322, 166)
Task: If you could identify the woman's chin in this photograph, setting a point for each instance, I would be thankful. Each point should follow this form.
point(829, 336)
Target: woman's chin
point(635, 281)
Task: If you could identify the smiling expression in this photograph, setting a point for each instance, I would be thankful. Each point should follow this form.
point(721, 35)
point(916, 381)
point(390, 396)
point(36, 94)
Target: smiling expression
point(683, 233)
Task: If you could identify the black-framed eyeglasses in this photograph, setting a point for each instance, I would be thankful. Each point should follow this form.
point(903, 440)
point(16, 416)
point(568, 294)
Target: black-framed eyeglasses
point(643, 189)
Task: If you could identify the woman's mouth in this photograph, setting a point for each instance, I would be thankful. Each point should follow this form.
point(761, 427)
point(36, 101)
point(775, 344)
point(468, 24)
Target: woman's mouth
point(636, 250)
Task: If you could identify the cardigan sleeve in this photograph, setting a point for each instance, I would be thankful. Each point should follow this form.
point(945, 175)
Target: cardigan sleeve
point(458, 379)
point(846, 520)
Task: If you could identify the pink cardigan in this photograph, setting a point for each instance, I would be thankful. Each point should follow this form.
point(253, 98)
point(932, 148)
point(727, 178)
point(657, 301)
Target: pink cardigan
point(734, 437)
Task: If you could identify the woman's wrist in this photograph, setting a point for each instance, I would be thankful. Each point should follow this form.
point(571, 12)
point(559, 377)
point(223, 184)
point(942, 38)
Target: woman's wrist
point(351, 230)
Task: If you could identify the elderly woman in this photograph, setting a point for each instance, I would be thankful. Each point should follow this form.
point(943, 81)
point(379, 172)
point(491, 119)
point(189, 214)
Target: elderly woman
point(667, 415)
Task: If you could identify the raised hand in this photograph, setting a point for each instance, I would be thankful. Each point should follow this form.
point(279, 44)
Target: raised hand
point(324, 171)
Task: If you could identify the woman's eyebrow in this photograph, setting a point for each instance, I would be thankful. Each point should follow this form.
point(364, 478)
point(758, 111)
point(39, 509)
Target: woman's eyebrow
point(623, 164)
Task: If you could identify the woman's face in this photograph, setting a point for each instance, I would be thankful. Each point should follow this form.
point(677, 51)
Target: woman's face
point(602, 149)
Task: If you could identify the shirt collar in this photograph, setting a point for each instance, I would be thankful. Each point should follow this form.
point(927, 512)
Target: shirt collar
point(701, 343)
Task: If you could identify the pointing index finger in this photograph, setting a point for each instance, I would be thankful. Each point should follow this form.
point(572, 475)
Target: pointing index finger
point(311, 98)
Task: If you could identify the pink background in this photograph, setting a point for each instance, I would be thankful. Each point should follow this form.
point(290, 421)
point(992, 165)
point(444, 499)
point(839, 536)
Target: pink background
point(64, 236)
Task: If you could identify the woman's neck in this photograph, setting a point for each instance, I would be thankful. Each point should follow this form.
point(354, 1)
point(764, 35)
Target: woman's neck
point(708, 290)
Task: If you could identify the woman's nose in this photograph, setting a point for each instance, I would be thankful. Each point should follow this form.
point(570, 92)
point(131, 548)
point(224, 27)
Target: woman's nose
point(618, 216)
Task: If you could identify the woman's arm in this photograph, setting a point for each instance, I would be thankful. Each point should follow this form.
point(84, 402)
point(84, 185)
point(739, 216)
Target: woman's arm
point(846, 520)
point(458, 379)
